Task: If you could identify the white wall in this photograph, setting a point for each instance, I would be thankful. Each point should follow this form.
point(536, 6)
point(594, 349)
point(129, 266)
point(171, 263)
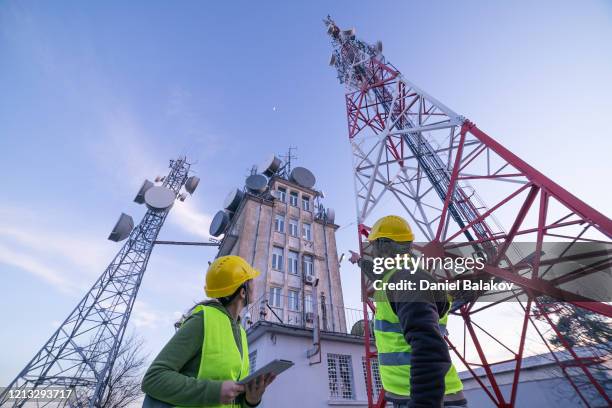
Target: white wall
point(306, 385)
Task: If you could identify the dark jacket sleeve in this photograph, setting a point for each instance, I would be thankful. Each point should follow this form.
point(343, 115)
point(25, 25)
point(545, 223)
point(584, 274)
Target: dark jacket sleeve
point(430, 359)
point(164, 380)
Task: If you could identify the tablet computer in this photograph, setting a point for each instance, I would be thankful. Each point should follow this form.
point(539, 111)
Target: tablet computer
point(273, 367)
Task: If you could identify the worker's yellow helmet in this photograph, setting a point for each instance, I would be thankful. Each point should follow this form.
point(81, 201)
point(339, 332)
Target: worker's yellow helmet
point(226, 274)
point(392, 227)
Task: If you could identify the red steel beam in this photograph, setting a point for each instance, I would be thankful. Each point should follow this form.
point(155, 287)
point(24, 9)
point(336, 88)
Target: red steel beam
point(599, 221)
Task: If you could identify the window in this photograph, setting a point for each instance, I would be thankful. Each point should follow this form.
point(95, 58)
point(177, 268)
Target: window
point(293, 300)
point(376, 381)
point(293, 198)
point(276, 300)
point(306, 203)
point(253, 360)
point(293, 228)
point(340, 376)
point(308, 302)
point(308, 266)
point(293, 262)
point(279, 223)
point(281, 194)
point(306, 233)
point(277, 258)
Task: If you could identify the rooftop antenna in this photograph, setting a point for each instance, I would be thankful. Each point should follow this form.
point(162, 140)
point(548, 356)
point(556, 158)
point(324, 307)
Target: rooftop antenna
point(287, 159)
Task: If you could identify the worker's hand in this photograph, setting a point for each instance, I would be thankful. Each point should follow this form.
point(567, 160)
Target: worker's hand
point(229, 391)
point(355, 257)
point(256, 388)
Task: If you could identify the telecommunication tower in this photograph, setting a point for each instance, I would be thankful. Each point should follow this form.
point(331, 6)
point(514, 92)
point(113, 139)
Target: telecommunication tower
point(81, 353)
point(414, 156)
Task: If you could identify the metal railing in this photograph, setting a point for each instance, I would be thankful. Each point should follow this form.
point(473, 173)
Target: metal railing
point(289, 311)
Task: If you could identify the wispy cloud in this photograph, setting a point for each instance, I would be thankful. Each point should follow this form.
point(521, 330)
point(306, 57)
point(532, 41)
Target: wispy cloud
point(66, 258)
point(145, 316)
point(190, 219)
point(125, 152)
point(120, 147)
point(86, 253)
point(134, 159)
point(70, 258)
point(31, 264)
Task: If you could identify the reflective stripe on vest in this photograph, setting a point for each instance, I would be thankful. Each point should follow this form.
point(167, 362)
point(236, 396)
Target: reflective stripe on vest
point(394, 358)
point(385, 326)
point(394, 354)
point(221, 359)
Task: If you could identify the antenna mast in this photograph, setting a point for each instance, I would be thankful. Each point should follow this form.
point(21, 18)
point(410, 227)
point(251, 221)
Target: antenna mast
point(81, 353)
point(434, 164)
point(287, 159)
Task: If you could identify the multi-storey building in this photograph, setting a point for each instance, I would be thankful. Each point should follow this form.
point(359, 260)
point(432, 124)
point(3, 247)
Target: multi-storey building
point(279, 225)
point(285, 234)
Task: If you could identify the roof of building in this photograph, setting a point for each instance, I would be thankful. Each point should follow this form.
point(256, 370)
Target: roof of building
point(261, 327)
point(531, 362)
point(293, 184)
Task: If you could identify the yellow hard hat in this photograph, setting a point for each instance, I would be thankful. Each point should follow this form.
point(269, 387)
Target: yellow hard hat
point(392, 227)
point(226, 274)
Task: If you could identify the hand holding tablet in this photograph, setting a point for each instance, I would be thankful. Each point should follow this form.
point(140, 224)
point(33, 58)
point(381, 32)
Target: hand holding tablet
point(274, 367)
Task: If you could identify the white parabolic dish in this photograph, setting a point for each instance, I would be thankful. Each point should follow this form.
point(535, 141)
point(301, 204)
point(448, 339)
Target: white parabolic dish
point(159, 198)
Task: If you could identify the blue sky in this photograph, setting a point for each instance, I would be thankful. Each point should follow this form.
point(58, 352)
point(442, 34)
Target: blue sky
point(96, 97)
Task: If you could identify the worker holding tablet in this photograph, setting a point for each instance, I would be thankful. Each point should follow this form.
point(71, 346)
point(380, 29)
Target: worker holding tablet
point(203, 363)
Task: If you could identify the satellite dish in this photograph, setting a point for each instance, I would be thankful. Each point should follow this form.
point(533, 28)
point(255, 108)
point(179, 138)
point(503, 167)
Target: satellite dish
point(257, 183)
point(331, 215)
point(270, 166)
point(233, 199)
point(350, 33)
point(122, 229)
point(219, 223)
point(159, 198)
point(358, 328)
point(191, 184)
point(303, 177)
point(141, 193)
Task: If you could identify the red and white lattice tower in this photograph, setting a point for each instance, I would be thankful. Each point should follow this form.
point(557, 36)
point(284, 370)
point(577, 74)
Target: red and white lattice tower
point(415, 157)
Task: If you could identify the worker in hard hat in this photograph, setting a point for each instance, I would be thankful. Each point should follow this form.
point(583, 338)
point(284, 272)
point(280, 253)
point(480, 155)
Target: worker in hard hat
point(413, 358)
point(202, 363)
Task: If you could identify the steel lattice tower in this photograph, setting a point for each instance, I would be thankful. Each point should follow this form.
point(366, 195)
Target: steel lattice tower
point(415, 157)
point(81, 353)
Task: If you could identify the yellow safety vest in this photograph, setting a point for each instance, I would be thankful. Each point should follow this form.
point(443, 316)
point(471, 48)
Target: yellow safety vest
point(221, 359)
point(394, 352)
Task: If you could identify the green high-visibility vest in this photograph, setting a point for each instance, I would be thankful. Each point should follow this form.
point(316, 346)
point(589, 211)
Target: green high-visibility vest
point(221, 359)
point(394, 352)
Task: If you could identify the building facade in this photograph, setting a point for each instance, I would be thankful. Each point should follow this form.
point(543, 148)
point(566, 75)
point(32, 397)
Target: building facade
point(333, 377)
point(298, 311)
point(293, 245)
